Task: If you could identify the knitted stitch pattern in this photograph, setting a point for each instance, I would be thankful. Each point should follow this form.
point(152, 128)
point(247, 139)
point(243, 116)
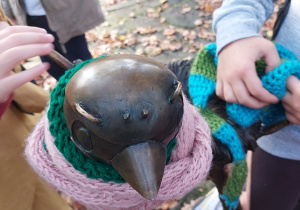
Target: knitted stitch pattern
point(202, 84)
point(58, 128)
point(189, 164)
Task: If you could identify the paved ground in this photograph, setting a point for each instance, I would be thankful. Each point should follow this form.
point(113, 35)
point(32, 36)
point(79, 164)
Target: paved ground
point(172, 21)
point(162, 30)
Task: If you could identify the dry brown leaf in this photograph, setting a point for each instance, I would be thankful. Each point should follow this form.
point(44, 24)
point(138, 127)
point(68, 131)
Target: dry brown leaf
point(118, 44)
point(198, 22)
point(180, 30)
point(151, 13)
point(104, 34)
point(164, 45)
point(170, 204)
point(188, 206)
point(169, 31)
point(146, 30)
point(175, 59)
point(105, 24)
point(144, 41)
point(153, 41)
point(185, 49)
point(162, 20)
point(185, 34)
point(172, 38)
point(94, 53)
point(132, 14)
point(197, 7)
point(209, 8)
point(207, 14)
point(185, 9)
point(90, 36)
point(107, 40)
point(192, 35)
point(139, 51)
point(201, 14)
point(165, 6)
point(130, 40)
point(105, 49)
point(175, 46)
point(193, 50)
point(198, 45)
point(208, 21)
point(206, 25)
point(153, 51)
point(187, 58)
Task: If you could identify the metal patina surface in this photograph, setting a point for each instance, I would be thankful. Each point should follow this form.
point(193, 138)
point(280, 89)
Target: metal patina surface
point(123, 110)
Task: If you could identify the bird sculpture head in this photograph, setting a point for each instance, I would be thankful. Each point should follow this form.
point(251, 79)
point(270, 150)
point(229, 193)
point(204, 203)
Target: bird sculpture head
point(122, 111)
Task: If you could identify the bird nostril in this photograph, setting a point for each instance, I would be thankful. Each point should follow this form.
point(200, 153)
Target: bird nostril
point(145, 113)
point(126, 116)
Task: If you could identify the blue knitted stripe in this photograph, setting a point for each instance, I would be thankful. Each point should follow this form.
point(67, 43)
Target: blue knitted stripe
point(232, 205)
point(227, 135)
point(200, 88)
point(285, 53)
point(212, 48)
point(275, 81)
point(242, 115)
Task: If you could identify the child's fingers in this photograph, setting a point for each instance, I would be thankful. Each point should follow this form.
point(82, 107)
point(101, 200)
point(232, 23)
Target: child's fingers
point(14, 81)
point(15, 55)
point(271, 56)
point(256, 89)
point(292, 114)
point(293, 85)
point(291, 118)
point(6, 30)
point(228, 93)
point(3, 25)
point(244, 97)
point(219, 89)
point(19, 39)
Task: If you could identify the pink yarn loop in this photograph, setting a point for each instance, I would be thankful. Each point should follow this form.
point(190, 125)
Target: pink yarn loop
point(189, 164)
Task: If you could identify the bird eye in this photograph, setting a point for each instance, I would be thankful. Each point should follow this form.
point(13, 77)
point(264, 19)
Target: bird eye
point(81, 137)
point(84, 139)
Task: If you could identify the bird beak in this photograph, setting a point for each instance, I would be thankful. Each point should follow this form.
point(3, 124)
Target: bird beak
point(142, 166)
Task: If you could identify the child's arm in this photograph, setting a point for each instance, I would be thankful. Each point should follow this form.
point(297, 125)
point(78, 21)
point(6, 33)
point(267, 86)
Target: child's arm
point(237, 24)
point(18, 43)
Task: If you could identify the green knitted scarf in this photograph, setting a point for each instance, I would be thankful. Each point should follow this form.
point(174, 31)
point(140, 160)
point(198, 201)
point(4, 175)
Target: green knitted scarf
point(202, 82)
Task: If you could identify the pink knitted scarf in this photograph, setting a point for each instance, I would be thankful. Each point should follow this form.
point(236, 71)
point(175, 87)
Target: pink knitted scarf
point(189, 164)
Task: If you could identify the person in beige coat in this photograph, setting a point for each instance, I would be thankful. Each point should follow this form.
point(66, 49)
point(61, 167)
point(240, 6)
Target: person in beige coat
point(66, 20)
point(20, 108)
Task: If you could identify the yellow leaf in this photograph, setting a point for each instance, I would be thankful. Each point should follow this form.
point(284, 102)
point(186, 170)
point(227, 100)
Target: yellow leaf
point(121, 37)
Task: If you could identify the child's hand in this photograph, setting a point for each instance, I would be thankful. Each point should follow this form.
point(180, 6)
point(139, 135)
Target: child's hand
point(18, 43)
point(291, 100)
point(237, 80)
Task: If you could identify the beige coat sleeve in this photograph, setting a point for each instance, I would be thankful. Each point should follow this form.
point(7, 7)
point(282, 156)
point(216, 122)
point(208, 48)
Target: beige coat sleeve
point(30, 98)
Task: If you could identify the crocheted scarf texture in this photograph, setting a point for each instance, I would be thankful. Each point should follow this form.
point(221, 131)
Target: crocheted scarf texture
point(202, 83)
point(58, 128)
point(189, 164)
